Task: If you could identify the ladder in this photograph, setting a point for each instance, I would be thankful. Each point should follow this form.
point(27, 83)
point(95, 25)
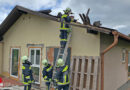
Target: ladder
point(62, 53)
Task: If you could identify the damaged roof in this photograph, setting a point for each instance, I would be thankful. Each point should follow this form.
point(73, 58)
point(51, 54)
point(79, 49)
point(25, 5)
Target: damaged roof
point(18, 11)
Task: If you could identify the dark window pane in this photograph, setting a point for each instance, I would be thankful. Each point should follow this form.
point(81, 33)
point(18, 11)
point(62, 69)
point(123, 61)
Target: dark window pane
point(38, 57)
point(32, 56)
point(15, 56)
point(128, 68)
point(55, 54)
point(36, 73)
point(68, 57)
point(129, 71)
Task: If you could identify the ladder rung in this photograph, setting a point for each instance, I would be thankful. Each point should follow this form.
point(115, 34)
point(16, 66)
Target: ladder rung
point(65, 53)
point(61, 48)
point(60, 54)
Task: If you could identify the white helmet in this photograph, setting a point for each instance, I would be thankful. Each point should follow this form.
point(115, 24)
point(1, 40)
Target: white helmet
point(45, 62)
point(23, 58)
point(60, 62)
point(68, 10)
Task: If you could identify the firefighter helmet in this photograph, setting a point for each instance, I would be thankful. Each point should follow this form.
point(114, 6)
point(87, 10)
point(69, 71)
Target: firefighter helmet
point(68, 10)
point(24, 58)
point(45, 62)
point(60, 62)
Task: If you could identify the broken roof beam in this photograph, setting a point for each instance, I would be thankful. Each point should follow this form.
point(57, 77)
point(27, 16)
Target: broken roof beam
point(82, 18)
point(85, 19)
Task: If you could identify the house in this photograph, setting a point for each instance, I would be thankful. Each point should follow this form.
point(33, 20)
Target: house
point(97, 62)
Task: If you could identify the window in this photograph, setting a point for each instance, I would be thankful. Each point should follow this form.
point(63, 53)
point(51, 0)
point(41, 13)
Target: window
point(35, 57)
point(52, 55)
point(129, 63)
point(14, 62)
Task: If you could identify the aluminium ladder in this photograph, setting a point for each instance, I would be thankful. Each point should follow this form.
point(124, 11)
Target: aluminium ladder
point(62, 53)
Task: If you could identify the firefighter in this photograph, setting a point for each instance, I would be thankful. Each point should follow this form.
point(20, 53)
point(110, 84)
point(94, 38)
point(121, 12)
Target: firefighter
point(65, 28)
point(47, 73)
point(27, 74)
point(62, 75)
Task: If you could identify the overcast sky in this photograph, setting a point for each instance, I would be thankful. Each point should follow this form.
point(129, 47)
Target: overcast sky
point(112, 13)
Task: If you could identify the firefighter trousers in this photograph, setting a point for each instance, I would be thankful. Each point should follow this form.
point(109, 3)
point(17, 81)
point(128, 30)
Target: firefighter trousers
point(27, 87)
point(63, 87)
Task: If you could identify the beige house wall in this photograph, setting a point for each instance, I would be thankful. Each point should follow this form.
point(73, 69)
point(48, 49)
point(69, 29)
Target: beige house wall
point(30, 29)
point(1, 56)
point(116, 73)
point(84, 44)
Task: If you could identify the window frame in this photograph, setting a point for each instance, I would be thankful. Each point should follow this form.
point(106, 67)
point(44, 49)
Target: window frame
point(11, 62)
point(36, 65)
point(34, 56)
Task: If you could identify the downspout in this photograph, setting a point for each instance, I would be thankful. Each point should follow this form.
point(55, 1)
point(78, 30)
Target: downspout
point(116, 35)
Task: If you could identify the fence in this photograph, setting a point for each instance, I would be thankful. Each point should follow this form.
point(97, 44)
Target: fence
point(84, 73)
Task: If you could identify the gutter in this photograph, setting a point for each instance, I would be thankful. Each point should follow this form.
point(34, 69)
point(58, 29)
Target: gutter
point(116, 35)
point(124, 36)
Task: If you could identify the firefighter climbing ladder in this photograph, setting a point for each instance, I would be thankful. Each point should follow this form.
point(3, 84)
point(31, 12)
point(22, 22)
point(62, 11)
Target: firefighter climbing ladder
point(62, 53)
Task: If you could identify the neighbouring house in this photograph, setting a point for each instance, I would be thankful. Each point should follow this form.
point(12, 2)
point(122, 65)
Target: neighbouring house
point(98, 61)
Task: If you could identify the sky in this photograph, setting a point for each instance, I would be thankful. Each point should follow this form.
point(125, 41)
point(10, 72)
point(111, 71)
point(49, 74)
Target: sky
point(112, 13)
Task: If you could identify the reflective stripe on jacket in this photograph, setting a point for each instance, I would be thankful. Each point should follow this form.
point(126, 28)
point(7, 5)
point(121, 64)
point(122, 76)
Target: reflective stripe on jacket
point(27, 76)
point(65, 18)
point(47, 73)
point(62, 75)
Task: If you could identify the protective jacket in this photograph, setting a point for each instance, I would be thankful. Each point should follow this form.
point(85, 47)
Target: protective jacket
point(27, 74)
point(47, 73)
point(62, 75)
point(66, 18)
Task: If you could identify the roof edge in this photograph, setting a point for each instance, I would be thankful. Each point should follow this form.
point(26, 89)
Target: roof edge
point(19, 10)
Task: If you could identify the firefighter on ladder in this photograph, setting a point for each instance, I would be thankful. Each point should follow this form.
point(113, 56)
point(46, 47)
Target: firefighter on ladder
point(62, 75)
point(47, 73)
point(27, 74)
point(65, 28)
